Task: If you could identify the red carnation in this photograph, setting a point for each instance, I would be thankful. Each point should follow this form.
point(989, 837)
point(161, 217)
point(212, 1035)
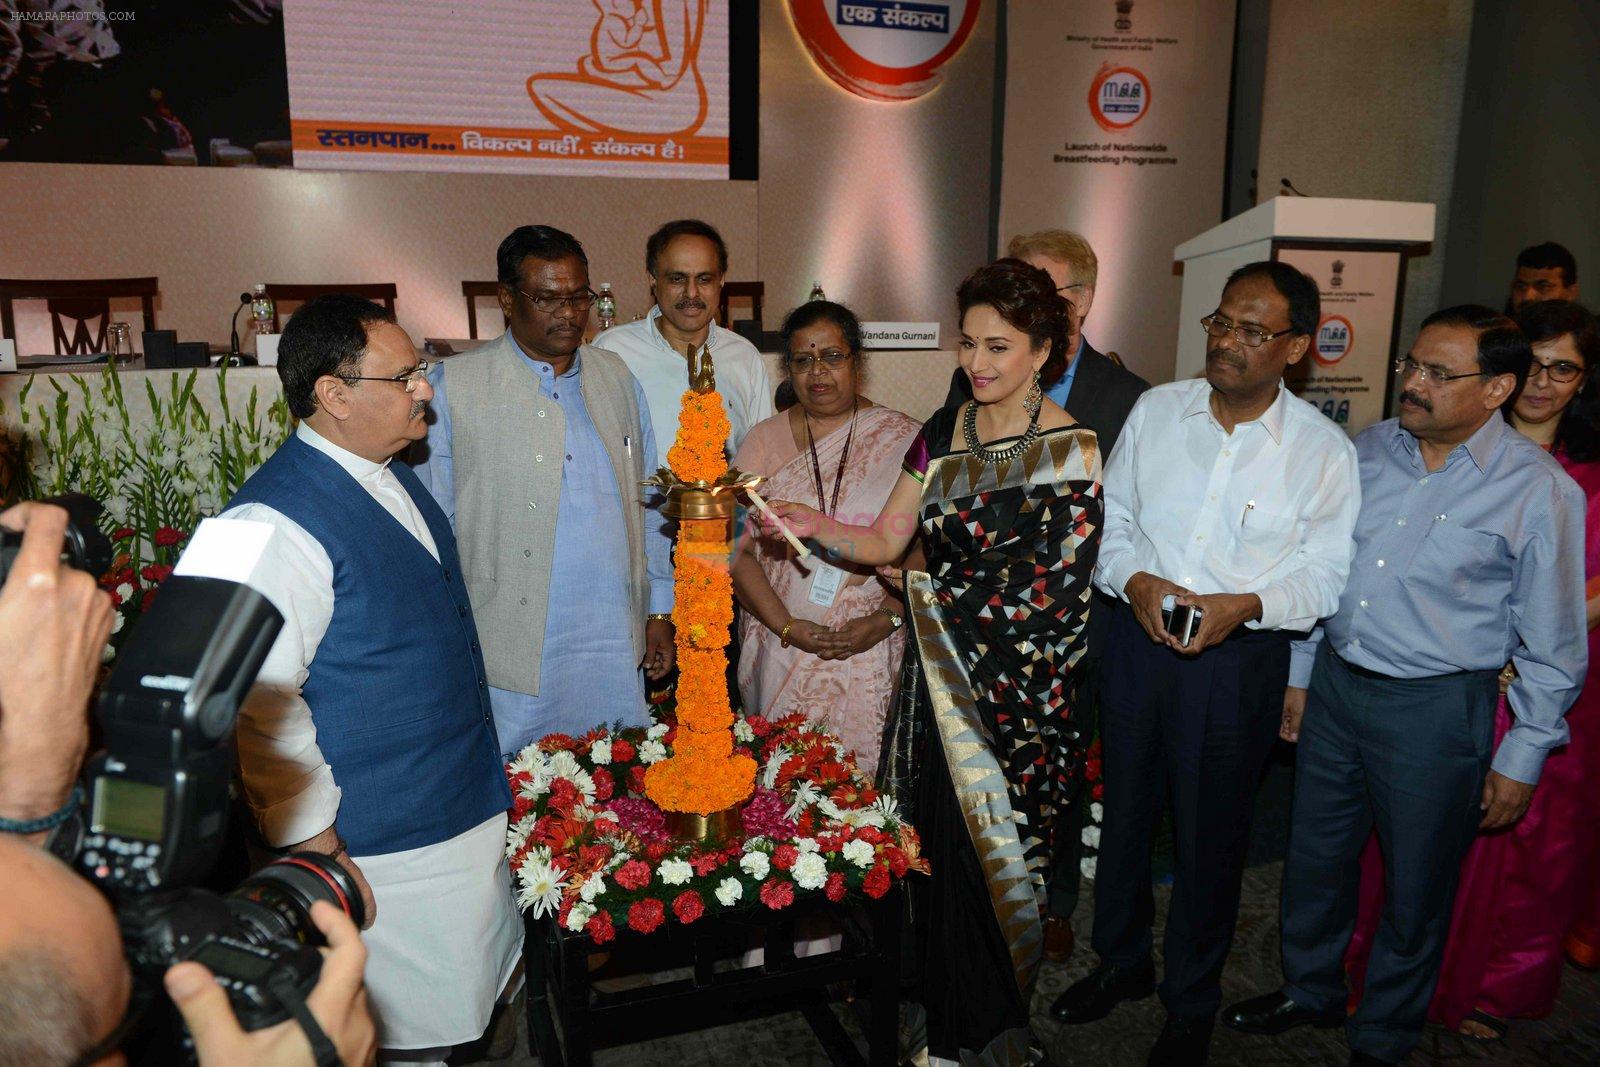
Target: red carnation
point(604, 784)
point(898, 863)
point(563, 795)
point(599, 928)
point(166, 537)
point(645, 915)
point(635, 874)
point(705, 863)
point(835, 888)
point(636, 778)
point(758, 726)
point(877, 882)
point(784, 855)
point(777, 893)
point(155, 573)
point(656, 851)
point(872, 835)
point(148, 599)
point(688, 907)
point(122, 533)
point(1098, 792)
point(621, 751)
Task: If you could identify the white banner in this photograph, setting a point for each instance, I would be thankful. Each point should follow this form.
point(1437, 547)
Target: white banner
point(627, 88)
point(1350, 365)
point(1116, 127)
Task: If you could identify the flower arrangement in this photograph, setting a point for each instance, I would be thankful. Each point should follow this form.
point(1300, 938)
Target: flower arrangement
point(1095, 787)
point(157, 476)
point(705, 775)
point(587, 845)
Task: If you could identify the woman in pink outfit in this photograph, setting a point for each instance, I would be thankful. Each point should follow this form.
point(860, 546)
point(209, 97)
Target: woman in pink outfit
point(1524, 889)
point(823, 636)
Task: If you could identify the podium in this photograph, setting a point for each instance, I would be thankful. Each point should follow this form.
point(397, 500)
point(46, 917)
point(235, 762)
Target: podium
point(1356, 252)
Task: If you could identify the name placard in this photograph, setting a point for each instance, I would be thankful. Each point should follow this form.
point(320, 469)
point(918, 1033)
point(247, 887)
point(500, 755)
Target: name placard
point(890, 335)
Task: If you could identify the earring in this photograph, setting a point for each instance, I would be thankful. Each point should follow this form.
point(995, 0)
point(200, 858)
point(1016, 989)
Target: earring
point(1035, 397)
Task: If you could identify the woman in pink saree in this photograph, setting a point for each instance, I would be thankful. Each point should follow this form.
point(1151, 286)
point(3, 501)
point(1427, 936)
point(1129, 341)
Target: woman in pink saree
point(824, 638)
point(1525, 889)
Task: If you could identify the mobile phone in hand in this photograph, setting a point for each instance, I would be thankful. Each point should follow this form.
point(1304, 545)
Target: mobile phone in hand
point(1181, 620)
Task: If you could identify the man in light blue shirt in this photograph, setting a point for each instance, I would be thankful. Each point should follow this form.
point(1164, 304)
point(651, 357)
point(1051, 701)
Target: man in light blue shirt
point(1469, 555)
point(536, 454)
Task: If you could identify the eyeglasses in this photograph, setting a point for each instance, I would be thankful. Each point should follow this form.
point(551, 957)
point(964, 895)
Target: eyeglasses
point(1405, 366)
point(409, 378)
point(1249, 336)
point(831, 360)
point(551, 302)
point(1561, 371)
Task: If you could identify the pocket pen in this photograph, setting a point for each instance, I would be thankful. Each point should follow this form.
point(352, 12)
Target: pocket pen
point(1248, 508)
point(627, 445)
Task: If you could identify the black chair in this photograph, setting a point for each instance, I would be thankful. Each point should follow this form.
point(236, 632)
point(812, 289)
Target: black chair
point(378, 292)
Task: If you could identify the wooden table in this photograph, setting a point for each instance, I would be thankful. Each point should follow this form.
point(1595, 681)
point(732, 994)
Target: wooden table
point(560, 992)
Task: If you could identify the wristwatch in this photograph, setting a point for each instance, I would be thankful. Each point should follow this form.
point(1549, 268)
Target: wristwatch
point(895, 620)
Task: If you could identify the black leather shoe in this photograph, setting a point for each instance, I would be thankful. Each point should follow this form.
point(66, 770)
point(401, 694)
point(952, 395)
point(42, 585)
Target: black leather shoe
point(1183, 1042)
point(1093, 997)
point(1367, 1059)
point(1275, 1013)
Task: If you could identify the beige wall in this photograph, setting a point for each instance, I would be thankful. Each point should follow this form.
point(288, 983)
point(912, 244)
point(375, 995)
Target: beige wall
point(1362, 99)
point(885, 203)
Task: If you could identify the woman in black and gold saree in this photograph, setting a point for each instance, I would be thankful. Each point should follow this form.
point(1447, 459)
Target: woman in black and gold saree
point(1005, 492)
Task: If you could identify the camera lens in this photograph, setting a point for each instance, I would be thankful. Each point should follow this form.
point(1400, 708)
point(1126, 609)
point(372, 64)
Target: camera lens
point(274, 904)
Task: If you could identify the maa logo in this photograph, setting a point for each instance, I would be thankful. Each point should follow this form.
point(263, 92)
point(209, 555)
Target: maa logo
point(884, 49)
point(1118, 97)
point(1335, 340)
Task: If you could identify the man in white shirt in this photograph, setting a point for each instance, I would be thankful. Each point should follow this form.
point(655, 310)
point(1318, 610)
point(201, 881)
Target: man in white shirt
point(369, 734)
point(687, 260)
point(1232, 496)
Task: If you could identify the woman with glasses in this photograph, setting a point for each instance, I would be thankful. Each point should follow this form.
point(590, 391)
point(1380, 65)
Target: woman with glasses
point(1524, 889)
point(822, 636)
point(1004, 493)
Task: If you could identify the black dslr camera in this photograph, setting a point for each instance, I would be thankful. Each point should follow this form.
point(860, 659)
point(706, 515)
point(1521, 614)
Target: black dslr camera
point(158, 802)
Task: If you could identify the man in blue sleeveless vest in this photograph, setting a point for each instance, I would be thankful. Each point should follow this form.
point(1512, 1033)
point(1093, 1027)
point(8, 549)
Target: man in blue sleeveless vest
point(536, 454)
point(369, 735)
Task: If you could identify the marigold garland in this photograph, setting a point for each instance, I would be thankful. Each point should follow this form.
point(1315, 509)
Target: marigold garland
point(703, 775)
point(699, 453)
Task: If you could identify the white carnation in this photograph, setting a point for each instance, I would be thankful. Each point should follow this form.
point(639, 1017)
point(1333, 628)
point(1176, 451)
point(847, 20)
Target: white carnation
point(124, 591)
point(652, 752)
point(1086, 865)
point(742, 732)
point(807, 844)
point(659, 730)
point(592, 887)
point(1096, 812)
point(1091, 836)
point(755, 864)
point(675, 871)
point(859, 853)
point(118, 621)
point(729, 890)
point(600, 751)
point(579, 917)
point(810, 871)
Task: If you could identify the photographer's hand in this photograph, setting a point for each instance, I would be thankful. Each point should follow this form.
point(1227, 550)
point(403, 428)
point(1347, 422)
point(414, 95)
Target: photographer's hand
point(338, 1001)
point(54, 622)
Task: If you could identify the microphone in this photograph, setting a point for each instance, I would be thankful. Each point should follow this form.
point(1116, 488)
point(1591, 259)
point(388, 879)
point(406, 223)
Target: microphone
point(233, 349)
point(1287, 184)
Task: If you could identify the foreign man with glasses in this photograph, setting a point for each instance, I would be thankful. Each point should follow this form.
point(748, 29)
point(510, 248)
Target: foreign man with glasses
point(536, 453)
point(1230, 495)
point(686, 261)
point(369, 734)
point(1469, 556)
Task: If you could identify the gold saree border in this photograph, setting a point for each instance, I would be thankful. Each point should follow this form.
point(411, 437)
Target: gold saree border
point(981, 789)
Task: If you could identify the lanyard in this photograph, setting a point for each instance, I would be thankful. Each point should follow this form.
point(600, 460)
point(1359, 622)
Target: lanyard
point(816, 465)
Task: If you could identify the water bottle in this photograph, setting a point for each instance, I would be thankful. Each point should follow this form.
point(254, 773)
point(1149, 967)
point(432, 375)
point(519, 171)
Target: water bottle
point(606, 307)
point(816, 292)
point(261, 309)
